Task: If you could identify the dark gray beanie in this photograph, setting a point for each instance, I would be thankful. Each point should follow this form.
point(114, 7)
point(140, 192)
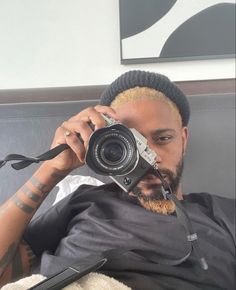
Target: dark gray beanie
point(138, 78)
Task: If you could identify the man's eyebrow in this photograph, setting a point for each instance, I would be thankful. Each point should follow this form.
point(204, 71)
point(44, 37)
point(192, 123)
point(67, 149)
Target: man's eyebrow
point(158, 132)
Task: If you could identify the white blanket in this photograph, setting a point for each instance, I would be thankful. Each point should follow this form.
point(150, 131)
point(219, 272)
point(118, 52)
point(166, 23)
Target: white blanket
point(92, 281)
point(71, 182)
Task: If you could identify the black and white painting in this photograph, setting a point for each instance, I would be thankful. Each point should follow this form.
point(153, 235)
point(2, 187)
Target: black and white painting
point(164, 30)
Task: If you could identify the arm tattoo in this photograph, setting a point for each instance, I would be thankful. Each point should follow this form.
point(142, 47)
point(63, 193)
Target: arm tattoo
point(23, 206)
point(7, 257)
point(40, 186)
point(43, 188)
point(30, 194)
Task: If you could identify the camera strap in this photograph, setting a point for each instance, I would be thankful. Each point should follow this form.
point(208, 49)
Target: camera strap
point(190, 233)
point(25, 161)
point(184, 219)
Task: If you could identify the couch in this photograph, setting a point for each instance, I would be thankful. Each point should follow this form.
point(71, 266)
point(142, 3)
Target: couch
point(28, 119)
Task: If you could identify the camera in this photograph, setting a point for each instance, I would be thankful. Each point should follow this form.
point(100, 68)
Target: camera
point(120, 153)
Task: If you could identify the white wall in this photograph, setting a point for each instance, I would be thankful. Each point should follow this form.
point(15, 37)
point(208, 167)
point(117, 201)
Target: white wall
point(51, 43)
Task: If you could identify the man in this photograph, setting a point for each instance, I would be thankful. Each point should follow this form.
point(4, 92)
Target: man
point(94, 220)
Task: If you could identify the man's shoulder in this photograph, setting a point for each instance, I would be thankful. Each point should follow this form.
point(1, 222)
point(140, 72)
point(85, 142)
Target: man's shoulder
point(206, 197)
point(219, 207)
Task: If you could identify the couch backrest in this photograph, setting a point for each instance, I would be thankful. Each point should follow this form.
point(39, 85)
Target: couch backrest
point(28, 128)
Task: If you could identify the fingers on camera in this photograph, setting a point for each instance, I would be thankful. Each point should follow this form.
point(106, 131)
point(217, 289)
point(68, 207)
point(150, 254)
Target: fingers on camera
point(76, 135)
point(76, 145)
point(91, 118)
point(106, 111)
point(77, 130)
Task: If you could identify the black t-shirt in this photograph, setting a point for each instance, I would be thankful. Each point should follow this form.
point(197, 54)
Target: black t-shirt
point(95, 219)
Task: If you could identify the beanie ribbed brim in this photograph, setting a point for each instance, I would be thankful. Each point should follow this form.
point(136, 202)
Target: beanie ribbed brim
point(161, 83)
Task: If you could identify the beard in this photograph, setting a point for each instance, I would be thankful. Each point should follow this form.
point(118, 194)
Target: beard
point(149, 193)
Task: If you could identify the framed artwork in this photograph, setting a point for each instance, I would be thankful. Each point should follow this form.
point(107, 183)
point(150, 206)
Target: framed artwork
point(175, 30)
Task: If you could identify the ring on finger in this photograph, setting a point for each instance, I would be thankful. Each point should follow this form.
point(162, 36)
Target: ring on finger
point(67, 133)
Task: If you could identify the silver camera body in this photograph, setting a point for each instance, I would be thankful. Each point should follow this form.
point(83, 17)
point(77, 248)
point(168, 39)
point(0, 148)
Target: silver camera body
point(121, 153)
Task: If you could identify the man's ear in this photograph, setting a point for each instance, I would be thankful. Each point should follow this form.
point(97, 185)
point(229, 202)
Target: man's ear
point(185, 135)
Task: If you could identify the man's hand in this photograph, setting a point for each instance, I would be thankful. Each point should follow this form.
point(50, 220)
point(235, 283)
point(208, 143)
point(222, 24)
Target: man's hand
point(76, 133)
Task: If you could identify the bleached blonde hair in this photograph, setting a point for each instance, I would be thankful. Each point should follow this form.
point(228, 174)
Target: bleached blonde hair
point(142, 93)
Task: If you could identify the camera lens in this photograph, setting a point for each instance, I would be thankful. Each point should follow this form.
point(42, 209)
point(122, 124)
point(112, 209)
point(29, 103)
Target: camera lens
point(112, 151)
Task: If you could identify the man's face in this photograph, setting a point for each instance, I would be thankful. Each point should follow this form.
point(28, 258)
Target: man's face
point(161, 124)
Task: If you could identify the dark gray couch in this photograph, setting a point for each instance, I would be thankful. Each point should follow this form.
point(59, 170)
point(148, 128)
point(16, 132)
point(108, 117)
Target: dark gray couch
point(28, 128)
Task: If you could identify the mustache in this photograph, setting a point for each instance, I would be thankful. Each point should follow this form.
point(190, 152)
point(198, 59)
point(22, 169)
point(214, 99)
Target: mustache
point(165, 173)
point(150, 183)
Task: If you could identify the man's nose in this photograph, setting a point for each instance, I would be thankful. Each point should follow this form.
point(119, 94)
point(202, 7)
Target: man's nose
point(158, 158)
point(153, 147)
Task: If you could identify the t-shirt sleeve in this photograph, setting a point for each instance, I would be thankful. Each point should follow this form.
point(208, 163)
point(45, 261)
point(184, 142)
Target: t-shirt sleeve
point(45, 232)
point(224, 212)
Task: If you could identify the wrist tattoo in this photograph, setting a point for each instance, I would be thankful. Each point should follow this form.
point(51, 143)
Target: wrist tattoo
point(40, 186)
point(30, 194)
point(7, 257)
point(23, 206)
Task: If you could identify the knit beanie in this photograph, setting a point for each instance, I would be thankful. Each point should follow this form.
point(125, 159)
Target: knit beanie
point(138, 78)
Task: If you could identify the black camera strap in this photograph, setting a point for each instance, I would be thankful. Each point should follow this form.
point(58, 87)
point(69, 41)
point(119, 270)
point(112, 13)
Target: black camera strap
point(184, 219)
point(25, 161)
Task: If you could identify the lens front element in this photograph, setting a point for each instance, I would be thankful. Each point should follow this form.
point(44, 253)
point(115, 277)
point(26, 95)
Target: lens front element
point(112, 151)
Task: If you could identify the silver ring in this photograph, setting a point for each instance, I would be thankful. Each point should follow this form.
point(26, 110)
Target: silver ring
point(67, 133)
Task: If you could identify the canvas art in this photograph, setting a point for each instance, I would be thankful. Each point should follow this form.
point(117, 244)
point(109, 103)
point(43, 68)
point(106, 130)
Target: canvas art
point(157, 30)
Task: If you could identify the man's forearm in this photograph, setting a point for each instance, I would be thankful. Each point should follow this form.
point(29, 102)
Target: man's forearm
point(17, 211)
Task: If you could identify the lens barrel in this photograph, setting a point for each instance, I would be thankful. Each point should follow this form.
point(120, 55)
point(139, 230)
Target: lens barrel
point(112, 151)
